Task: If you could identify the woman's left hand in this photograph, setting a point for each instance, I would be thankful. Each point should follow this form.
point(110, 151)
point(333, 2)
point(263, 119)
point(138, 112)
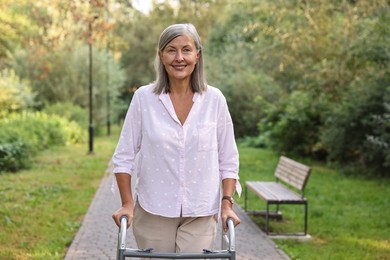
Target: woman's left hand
point(227, 212)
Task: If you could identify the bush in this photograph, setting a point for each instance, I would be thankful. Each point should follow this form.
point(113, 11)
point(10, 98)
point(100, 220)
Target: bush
point(23, 135)
point(293, 128)
point(13, 156)
point(358, 129)
point(69, 111)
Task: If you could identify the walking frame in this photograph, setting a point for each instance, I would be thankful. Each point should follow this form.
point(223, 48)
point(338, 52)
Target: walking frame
point(228, 238)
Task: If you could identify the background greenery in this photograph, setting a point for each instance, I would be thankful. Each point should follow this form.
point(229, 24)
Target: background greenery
point(23, 135)
point(307, 79)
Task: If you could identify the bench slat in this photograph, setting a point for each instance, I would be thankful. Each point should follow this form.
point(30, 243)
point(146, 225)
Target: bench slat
point(273, 192)
point(292, 172)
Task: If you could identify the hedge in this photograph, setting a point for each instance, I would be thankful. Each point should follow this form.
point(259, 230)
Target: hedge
point(23, 135)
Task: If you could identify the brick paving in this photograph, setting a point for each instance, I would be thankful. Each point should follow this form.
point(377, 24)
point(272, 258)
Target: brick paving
point(97, 236)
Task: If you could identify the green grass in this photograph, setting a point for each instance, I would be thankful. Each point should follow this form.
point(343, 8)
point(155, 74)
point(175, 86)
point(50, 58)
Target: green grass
point(349, 217)
point(43, 207)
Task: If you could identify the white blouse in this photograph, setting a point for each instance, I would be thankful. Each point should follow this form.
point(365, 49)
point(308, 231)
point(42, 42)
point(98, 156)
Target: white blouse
point(179, 167)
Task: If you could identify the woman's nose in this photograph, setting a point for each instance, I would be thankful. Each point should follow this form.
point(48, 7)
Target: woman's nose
point(179, 56)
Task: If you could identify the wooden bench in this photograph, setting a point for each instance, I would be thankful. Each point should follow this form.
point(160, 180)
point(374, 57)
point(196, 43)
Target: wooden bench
point(289, 175)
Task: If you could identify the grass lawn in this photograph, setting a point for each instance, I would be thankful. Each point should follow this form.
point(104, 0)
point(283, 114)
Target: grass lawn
point(42, 208)
point(349, 217)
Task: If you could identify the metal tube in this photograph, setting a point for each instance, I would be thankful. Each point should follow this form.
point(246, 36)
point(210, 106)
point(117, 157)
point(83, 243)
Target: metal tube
point(90, 91)
point(246, 197)
point(267, 219)
point(232, 237)
point(214, 255)
point(121, 247)
point(306, 206)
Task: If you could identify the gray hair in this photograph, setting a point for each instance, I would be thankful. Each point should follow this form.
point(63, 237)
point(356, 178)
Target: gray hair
point(198, 79)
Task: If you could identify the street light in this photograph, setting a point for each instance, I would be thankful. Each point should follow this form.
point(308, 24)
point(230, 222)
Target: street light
point(108, 87)
point(108, 96)
point(90, 129)
point(108, 18)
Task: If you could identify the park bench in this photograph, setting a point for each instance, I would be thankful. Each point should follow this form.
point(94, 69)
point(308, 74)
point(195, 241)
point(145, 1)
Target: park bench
point(291, 179)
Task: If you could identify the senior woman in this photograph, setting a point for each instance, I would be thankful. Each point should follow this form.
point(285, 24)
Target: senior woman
point(182, 133)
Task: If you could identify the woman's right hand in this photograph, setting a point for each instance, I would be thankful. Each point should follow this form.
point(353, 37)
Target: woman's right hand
point(125, 210)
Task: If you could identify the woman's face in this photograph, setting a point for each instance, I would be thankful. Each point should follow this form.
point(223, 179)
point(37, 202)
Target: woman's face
point(179, 58)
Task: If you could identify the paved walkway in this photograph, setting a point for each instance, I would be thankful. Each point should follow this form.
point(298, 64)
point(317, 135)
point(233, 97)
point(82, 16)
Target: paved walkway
point(97, 236)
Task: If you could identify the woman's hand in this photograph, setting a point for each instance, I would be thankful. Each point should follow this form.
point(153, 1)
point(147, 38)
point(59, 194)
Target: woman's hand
point(126, 210)
point(227, 212)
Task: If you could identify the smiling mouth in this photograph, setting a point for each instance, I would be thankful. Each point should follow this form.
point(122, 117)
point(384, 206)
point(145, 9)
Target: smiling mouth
point(179, 67)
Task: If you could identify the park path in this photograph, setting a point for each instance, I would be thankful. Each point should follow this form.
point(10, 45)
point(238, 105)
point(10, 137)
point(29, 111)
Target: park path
point(97, 236)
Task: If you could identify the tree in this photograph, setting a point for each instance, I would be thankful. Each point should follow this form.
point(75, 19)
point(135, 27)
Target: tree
point(15, 94)
point(320, 54)
point(15, 28)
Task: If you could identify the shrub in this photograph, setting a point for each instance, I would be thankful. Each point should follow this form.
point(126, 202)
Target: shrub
point(13, 156)
point(69, 111)
point(293, 127)
point(358, 129)
point(23, 135)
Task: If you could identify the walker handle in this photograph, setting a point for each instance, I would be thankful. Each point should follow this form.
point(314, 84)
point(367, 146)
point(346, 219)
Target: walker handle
point(122, 232)
point(231, 238)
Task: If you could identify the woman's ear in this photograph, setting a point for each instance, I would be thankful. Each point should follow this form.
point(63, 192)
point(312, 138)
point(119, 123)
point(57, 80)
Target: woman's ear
point(198, 55)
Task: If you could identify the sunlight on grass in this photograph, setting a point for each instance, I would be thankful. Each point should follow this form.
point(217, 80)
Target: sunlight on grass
point(373, 243)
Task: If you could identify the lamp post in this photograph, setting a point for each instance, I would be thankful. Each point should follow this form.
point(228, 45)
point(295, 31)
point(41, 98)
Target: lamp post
point(108, 90)
point(108, 101)
point(108, 76)
point(90, 128)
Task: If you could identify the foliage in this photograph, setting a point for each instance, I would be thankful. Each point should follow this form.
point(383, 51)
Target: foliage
point(63, 76)
point(56, 59)
point(69, 111)
point(13, 156)
point(243, 87)
point(15, 94)
point(358, 130)
point(23, 135)
point(378, 143)
point(15, 26)
point(360, 133)
point(319, 54)
point(293, 127)
point(288, 69)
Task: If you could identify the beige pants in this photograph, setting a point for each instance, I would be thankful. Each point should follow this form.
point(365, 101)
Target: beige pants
point(173, 235)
